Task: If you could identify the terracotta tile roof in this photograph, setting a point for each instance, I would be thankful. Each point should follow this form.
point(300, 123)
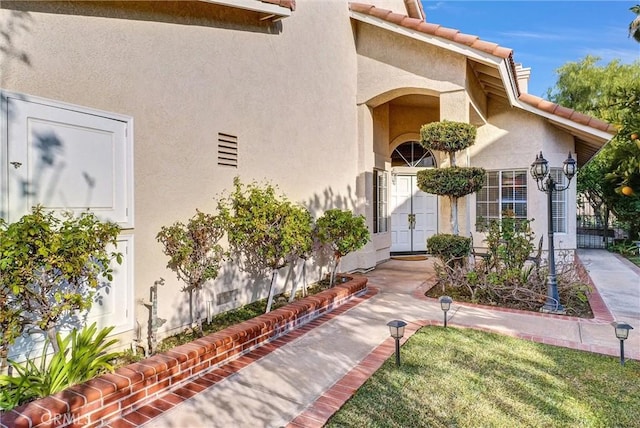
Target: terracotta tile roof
point(567, 113)
point(475, 42)
point(289, 4)
point(432, 29)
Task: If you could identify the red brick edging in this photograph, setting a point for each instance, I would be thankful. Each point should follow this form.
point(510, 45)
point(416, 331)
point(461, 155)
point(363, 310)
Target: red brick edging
point(117, 394)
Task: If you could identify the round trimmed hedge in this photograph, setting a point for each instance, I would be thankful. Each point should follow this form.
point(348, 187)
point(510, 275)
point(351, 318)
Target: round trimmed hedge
point(454, 181)
point(449, 247)
point(447, 136)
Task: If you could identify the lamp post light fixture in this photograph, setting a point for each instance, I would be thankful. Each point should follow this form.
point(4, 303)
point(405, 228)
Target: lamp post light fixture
point(545, 182)
point(622, 332)
point(445, 305)
point(396, 328)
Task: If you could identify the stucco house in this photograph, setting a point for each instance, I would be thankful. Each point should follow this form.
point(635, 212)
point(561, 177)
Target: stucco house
point(144, 111)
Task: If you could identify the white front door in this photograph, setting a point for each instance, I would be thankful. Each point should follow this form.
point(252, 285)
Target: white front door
point(414, 215)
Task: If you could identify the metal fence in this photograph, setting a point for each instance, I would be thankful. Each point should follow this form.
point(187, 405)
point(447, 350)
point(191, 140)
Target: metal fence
point(594, 230)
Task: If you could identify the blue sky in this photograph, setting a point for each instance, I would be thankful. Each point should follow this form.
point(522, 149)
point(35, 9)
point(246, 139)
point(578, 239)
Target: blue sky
point(544, 35)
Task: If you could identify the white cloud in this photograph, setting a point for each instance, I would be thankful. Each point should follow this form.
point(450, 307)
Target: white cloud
point(431, 6)
point(608, 54)
point(540, 35)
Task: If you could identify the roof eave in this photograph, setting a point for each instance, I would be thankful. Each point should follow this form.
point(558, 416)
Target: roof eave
point(452, 46)
point(271, 9)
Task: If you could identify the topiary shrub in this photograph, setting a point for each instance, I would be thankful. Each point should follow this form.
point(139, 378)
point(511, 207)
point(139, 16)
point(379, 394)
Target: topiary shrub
point(454, 181)
point(449, 247)
point(447, 136)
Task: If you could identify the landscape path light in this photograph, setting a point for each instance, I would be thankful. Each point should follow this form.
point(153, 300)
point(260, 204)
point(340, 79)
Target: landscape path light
point(622, 332)
point(396, 329)
point(541, 173)
point(445, 305)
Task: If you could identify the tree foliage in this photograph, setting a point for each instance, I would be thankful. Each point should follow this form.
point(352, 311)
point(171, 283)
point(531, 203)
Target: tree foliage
point(194, 254)
point(610, 92)
point(265, 229)
point(634, 26)
point(343, 232)
point(51, 268)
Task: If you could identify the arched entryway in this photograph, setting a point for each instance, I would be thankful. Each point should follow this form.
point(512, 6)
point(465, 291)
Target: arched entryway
point(414, 213)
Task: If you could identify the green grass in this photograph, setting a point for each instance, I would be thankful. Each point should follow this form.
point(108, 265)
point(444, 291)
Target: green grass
point(466, 378)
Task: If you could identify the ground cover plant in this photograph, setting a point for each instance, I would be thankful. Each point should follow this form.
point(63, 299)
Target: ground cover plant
point(227, 319)
point(83, 354)
point(465, 378)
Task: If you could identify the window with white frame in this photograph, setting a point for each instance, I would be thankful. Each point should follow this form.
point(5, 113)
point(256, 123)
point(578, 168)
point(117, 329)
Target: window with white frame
point(559, 202)
point(380, 203)
point(503, 191)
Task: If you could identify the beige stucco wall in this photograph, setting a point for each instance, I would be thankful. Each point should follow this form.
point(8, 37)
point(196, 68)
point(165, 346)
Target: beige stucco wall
point(287, 93)
point(511, 140)
point(409, 119)
point(307, 98)
point(391, 65)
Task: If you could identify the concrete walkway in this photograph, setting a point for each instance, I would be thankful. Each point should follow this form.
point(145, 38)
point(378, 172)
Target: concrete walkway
point(304, 380)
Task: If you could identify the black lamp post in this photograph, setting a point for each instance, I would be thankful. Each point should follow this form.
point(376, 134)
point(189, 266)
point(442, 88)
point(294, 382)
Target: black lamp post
point(546, 183)
point(445, 305)
point(622, 332)
point(396, 328)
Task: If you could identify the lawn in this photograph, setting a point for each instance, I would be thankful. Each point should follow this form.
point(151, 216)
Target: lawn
point(466, 378)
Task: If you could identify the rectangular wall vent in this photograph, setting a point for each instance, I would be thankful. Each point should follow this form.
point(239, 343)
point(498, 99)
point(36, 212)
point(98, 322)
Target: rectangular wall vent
point(227, 150)
point(227, 297)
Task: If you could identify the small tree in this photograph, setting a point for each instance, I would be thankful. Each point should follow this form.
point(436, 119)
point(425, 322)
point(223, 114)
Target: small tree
point(267, 230)
point(343, 232)
point(51, 268)
point(454, 182)
point(195, 255)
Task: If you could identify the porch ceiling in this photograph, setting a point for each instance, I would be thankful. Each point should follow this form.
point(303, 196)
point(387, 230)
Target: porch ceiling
point(416, 100)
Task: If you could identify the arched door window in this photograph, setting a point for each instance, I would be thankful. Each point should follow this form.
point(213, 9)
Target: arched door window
point(412, 154)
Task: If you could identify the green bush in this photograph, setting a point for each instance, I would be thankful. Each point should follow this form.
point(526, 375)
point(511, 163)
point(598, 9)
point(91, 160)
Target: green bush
point(447, 136)
point(82, 356)
point(449, 247)
point(510, 242)
point(265, 229)
point(195, 254)
point(343, 232)
point(454, 181)
point(51, 267)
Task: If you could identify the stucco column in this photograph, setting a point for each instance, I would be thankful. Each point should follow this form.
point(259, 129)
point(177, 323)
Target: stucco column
point(364, 181)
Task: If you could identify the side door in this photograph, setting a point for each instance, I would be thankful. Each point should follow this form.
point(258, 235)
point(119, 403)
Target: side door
point(66, 157)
